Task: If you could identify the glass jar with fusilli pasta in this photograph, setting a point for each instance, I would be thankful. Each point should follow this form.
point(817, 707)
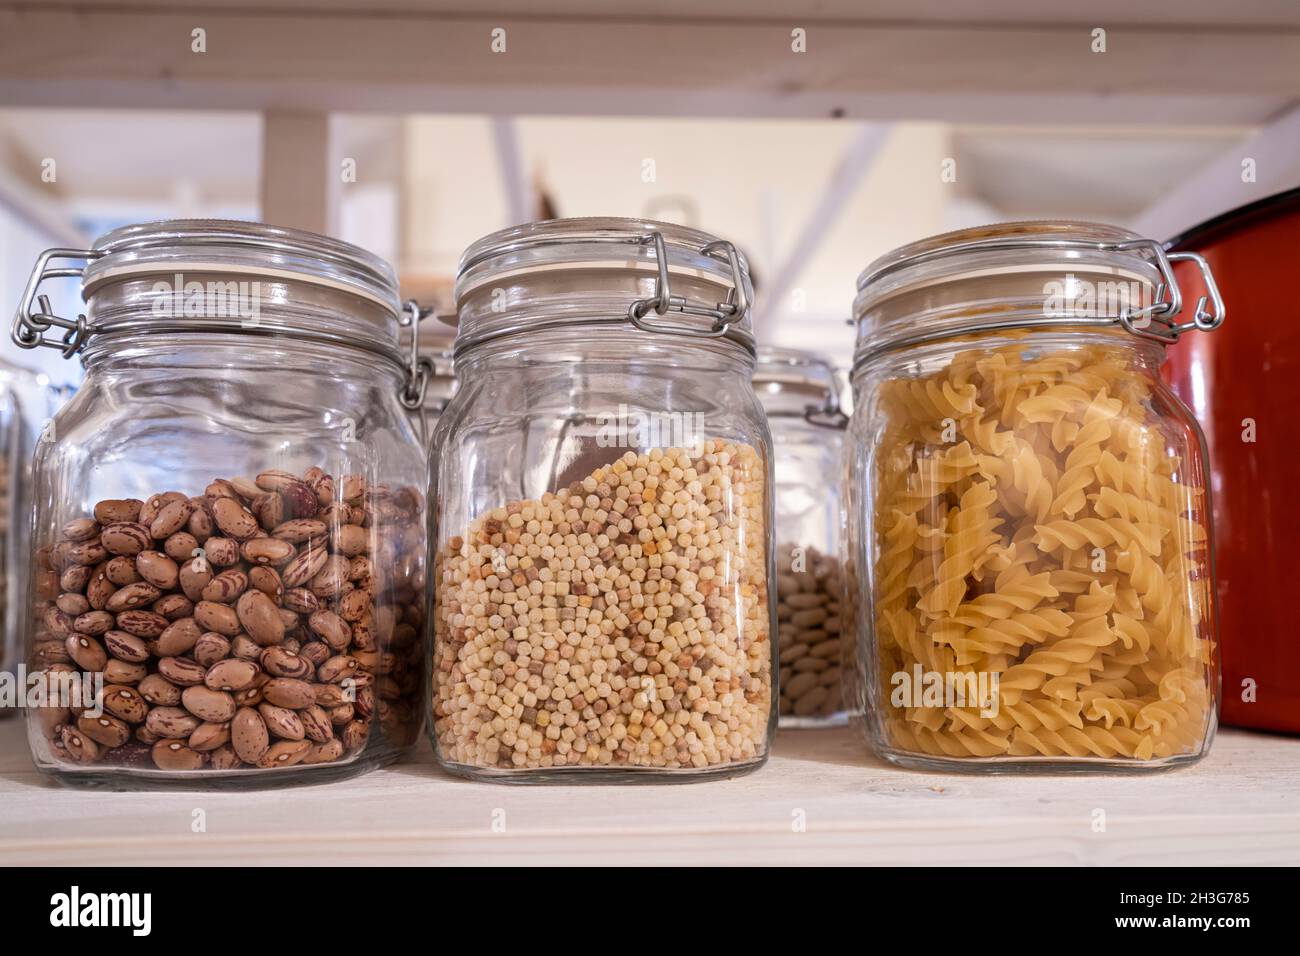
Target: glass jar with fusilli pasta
point(1027, 501)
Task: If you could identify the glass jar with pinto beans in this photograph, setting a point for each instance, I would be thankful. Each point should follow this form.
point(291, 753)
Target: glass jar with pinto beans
point(229, 543)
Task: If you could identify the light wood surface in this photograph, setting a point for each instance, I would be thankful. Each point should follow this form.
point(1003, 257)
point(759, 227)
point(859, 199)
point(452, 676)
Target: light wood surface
point(1239, 806)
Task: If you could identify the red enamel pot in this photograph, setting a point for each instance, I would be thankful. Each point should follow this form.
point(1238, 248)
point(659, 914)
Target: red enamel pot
point(1243, 383)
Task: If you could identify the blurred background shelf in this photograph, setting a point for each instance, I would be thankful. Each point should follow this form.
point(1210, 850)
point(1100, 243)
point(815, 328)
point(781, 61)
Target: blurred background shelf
point(820, 800)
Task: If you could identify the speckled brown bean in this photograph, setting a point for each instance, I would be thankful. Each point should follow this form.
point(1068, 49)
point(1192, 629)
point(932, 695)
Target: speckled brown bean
point(78, 746)
point(210, 649)
point(233, 518)
point(80, 529)
point(181, 671)
point(88, 653)
point(325, 752)
point(282, 722)
point(316, 723)
point(217, 617)
point(248, 735)
point(174, 516)
point(207, 704)
point(159, 691)
point(260, 618)
point(267, 551)
point(224, 758)
point(280, 662)
point(132, 596)
point(124, 672)
point(126, 647)
point(331, 628)
point(116, 510)
point(221, 552)
point(93, 623)
point(209, 736)
point(142, 623)
point(174, 755)
point(121, 571)
point(284, 753)
point(158, 569)
point(288, 692)
point(230, 675)
point(179, 637)
point(226, 586)
point(181, 546)
point(171, 722)
point(126, 538)
point(104, 730)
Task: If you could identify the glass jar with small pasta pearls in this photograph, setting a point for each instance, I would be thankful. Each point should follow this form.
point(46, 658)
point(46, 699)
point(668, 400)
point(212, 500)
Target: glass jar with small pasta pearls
point(800, 393)
point(603, 554)
point(1028, 517)
point(229, 543)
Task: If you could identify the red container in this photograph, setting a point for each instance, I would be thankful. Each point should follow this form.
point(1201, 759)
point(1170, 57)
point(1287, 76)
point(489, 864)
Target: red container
point(1243, 383)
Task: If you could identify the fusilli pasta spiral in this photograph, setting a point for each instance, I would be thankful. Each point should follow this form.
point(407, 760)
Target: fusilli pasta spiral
point(1034, 521)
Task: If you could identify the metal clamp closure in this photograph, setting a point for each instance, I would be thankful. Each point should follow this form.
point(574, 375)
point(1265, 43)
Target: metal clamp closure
point(1140, 321)
point(419, 368)
point(35, 316)
point(724, 314)
point(829, 414)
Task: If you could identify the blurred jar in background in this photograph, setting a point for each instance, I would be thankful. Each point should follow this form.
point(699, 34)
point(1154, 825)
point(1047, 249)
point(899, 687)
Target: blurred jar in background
point(800, 393)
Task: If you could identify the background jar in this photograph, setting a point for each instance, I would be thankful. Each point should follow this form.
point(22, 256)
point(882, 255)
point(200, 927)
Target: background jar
point(27, 401)
point(229, 521)
point(1028, 505)
point(799, 392)
point(603, 553)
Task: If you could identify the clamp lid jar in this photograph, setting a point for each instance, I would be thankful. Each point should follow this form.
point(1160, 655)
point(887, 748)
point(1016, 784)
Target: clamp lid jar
point(603, 558)
point(800, 392)
point(1029, 524)
point(229, 529)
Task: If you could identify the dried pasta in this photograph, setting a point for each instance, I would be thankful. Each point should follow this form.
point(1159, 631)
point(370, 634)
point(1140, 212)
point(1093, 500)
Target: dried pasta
point(1035, 527)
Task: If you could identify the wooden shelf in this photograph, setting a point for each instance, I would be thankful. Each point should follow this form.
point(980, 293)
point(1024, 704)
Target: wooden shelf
point(1239, 806)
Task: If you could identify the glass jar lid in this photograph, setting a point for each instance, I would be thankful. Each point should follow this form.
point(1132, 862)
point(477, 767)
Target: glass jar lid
point(193, 275)
point(799, 374)
point(653, 276)
point(1025, 275)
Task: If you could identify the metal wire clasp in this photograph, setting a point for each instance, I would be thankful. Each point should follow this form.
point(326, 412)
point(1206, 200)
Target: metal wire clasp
point(724, 314)
point(31, 323)
point(1140, 321)
point(829, 414)
point(419, 368)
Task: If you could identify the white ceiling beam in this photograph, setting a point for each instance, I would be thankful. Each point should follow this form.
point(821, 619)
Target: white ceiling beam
point(1265, 163)
point(298, 187)
point(849, 172)
point(505, 136)
point(421, 61)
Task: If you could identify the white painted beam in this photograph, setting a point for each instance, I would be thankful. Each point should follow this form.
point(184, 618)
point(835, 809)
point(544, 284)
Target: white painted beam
point(1263, 164)
point(849, 172)
point(422, 61)
point(514, 184)
point(298, 188)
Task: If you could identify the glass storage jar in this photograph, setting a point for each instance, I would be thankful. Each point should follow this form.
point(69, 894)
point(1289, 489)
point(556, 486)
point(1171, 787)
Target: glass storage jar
point(25, 402)
point(1028, 516)
point(229, 542)
point(799, 391)
point(603, 520)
